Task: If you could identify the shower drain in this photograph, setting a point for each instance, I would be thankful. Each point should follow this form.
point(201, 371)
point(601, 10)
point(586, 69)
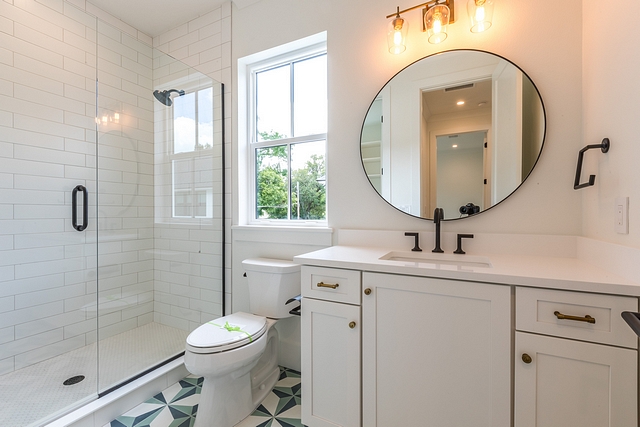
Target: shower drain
point(73, 380)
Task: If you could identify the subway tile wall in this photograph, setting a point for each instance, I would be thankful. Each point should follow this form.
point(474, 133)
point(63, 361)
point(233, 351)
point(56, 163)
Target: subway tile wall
point(204, 43)
point(48, 62)
point(47, 134)
point(125, 181)
point(188, 262)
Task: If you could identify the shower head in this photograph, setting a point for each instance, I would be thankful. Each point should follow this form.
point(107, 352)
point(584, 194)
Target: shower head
point(164, 96)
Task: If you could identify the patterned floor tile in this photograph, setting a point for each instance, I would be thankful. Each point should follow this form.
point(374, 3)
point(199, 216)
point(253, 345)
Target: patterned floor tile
point(177, 406)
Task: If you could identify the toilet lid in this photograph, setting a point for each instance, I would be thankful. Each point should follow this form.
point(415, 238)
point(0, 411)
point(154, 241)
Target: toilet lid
point(226, 333)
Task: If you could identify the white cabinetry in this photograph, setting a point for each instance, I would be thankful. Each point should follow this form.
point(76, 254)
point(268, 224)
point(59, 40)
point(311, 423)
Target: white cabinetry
point(331, 347)
point(388, 350)
point(435, 352)
point(571, 378)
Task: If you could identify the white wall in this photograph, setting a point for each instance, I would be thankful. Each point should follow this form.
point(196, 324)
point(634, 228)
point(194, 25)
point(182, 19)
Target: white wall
point(611, 85)
point(546, 46)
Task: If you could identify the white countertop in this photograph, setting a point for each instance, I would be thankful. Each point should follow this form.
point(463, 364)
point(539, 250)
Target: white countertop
point(570, 273)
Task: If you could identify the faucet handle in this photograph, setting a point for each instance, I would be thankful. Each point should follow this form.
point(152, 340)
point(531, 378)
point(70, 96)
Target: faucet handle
point(416, 236)
point(460, 237)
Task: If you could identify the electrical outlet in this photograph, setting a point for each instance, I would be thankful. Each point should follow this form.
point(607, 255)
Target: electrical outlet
point(622, 215)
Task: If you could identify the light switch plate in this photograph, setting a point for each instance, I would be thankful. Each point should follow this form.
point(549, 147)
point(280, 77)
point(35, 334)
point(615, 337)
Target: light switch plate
point(622, 215)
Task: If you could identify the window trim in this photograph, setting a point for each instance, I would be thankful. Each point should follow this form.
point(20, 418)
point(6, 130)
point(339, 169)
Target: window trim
point(169, 156)
point(294, 55)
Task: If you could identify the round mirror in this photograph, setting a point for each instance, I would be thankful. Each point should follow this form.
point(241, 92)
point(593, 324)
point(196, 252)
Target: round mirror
point(459, 130)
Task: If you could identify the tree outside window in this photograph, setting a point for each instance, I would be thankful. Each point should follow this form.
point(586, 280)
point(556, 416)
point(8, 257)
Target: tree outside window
point(290, 140)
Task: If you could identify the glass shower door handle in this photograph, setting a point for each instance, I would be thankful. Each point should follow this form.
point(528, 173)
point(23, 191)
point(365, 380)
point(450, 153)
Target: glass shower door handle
point(85, 208)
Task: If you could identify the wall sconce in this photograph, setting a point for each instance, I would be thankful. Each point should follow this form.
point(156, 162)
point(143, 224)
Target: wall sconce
point(436, 22)
point(481, 14)
point(437, 15)
point(397, 34)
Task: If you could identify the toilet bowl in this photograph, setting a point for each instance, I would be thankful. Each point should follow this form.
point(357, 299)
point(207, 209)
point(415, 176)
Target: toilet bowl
point(238, 354)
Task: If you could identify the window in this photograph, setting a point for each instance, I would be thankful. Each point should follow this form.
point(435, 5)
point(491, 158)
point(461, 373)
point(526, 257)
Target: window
point(287, 137)
point(187, 152)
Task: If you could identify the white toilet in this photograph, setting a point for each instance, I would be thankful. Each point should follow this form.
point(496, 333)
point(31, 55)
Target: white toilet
point(238, 354)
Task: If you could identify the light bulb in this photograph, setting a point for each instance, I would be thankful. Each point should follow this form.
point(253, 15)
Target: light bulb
point(397, 38)
point(480, 14)
point(437, 26)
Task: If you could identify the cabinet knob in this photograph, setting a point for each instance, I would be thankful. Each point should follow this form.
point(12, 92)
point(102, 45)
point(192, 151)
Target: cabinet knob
point(352, 325)
point(526, 358)
point(367, 291)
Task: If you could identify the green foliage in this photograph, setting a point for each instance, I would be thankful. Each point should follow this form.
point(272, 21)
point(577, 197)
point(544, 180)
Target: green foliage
point(272, 194)
point(312, 191)
point(306, 183)
point(270, 136)
point(276, 155)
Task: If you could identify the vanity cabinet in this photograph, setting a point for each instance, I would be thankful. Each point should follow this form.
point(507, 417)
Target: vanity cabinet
point(580, 370)
point(435, 352)
point(331, 357)
point(382, 349)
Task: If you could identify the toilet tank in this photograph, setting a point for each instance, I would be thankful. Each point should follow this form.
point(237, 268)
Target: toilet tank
point(271, 283)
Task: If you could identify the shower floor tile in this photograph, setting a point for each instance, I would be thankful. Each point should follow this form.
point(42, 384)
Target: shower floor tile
point(177, 406)
point(121, 356)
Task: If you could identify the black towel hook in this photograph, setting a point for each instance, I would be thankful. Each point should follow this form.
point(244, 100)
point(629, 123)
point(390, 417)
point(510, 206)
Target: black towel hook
point(604, 146)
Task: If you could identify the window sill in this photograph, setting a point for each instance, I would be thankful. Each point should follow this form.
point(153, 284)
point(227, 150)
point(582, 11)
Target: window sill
point(286, 234)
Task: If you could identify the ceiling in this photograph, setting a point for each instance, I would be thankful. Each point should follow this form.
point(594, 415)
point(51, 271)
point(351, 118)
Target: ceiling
point(154, 17)
point(444, 101)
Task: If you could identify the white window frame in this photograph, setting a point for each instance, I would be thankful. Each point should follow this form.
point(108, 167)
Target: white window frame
point(192, 156)
point(167, 214)
point(293, 55)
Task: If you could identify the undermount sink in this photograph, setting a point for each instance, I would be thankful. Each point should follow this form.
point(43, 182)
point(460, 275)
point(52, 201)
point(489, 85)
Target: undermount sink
point(438, 259)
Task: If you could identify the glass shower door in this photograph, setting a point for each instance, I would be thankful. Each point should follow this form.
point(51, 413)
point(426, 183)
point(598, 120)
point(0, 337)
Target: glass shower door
point(160, 205)
point(48, 228)
point(111, 236)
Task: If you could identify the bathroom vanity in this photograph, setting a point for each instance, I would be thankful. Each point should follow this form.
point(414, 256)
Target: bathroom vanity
point(402, 338)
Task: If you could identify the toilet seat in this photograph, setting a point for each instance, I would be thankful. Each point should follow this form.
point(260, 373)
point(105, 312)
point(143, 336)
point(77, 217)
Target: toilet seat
point(226, 333)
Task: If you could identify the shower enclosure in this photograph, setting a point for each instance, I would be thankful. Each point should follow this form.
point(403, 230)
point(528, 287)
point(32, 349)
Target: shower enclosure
point(111, 209)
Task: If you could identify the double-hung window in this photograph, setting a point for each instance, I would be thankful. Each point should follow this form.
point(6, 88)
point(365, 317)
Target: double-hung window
point(288, 133)
point(192, 154)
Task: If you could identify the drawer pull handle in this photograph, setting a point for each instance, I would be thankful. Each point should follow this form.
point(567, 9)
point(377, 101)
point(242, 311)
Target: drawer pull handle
point(526, 358)
point(352, 325)
point(326, 285)
point(367, 291)
point(586, 318)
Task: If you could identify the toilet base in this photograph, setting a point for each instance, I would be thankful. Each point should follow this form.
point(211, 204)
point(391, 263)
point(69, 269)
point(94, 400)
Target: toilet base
point(228, 399)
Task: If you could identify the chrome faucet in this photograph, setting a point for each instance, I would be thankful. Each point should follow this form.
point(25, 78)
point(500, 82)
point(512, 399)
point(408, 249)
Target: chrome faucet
point(438, 215)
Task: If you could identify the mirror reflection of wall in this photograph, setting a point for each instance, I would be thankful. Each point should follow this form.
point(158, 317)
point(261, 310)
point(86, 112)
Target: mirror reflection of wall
point(452, 93)
point(371, 145)
point(460, 111)
point(460, 175)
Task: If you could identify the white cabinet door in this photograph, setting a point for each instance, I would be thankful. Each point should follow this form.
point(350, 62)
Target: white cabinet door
point(330, 364)
point(436, 352)
point(574, 384)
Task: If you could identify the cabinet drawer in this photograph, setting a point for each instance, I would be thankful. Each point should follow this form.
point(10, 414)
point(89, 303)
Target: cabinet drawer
point(536, 312)
point(332, 284)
